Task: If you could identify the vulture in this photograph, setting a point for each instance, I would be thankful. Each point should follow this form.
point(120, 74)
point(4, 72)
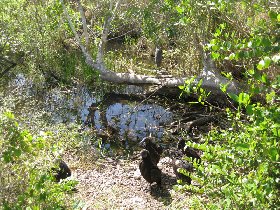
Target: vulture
point(188, 167)
point(158, 56)
point(154, 149)
point(62, 171)
point(188, 151)
point(150, 172)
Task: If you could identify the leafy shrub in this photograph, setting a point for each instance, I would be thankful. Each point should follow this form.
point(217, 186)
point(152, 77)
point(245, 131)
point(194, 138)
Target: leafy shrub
point(241, 163)
point(25, 175)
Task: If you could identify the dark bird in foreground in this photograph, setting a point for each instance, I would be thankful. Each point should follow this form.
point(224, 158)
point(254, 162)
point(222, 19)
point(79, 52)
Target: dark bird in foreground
point(150, 172)
point(181, 164)
point(154, 149)
point(62, 171)
point(189, 151)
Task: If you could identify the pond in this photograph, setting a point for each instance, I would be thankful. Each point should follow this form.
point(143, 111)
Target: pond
point(120, 117)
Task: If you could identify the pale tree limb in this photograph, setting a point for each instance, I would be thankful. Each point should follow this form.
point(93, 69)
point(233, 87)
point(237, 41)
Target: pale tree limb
point(84, 21)
point(211, 81)
point(105, 32)
point(89, 59)
point(109, 75)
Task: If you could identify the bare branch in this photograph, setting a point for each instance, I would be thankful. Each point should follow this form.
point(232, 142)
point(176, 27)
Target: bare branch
point(84, 21)
point(105, 32)
point(89, 59)
point(7, 69)
point(212, 82)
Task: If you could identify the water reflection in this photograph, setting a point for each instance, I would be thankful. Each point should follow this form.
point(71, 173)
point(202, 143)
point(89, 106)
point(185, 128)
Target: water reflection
point(136, 122)
point(125, 118)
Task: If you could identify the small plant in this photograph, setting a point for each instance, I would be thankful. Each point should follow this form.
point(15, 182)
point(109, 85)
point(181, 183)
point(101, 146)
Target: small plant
point(26, 179)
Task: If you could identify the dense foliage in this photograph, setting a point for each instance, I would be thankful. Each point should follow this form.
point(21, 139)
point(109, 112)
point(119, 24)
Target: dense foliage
point(26, 175)
point(241, 163)
point(240, 167)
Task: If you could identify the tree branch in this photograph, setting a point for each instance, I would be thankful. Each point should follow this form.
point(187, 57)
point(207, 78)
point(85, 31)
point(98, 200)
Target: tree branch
point(7, 69)
point(89, 59)
point(84, 21)
point(211, 81)
point(105, 32)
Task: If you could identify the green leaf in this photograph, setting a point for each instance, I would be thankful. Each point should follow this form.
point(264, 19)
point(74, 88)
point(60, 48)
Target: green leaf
point(223, 87)
point(264, 78)
point(218, 33)
point(231, 56)
point(270, 96)
point(215, 48)
point(272, 15)
point(265, 63)
point(249, 109)
point(273, 154)
point(244, 98)
point(266, 42)
point(17, 152)
point(233, 97)
point(260, 66)
point(215, 55)
point(242, 146)
point(7, 156)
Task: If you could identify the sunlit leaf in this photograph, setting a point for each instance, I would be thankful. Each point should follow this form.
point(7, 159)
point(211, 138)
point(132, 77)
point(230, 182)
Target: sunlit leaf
point(232, 56)
point(261, 65)
point(276, 58)
point(249, 109)
point(273, 154)
point(233, 97)
point(264, 78)
point(242, 146)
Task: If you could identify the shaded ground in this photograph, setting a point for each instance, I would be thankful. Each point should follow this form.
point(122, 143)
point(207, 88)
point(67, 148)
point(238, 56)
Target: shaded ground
point(106, 183)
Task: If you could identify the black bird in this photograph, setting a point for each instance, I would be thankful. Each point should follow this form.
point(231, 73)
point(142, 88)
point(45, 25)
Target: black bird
point(154, 149)
point(62, 171)
point(158, 56)
point(188, 151)
point(150, 172)
point(188, 167)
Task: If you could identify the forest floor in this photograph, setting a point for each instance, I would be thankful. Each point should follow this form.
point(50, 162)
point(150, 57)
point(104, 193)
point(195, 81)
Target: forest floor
point(116, 183)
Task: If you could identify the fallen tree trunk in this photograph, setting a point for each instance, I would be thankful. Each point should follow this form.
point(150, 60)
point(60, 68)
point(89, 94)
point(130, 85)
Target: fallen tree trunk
point(130, 78)
point(211, 79)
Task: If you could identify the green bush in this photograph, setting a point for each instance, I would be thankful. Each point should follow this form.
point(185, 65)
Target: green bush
point(240, 167)
point(25, 176)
